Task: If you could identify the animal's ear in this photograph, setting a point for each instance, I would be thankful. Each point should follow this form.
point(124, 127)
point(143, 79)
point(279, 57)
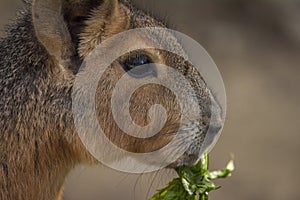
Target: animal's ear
point(52, 31)
point(58, 23)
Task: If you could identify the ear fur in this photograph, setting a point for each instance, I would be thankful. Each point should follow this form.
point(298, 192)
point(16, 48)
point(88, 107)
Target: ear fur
point(52, 31)
point(109, 19)
point(58, 33)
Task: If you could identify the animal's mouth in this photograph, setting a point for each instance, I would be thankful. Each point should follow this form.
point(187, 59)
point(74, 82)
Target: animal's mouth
point(203, 143)
point(185, 160)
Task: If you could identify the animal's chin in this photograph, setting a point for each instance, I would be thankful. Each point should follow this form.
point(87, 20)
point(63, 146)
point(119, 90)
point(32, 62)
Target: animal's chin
point(194, 153)
point(186, 159)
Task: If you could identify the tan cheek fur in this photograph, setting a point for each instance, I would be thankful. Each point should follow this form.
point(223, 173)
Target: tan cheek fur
point(140, 103)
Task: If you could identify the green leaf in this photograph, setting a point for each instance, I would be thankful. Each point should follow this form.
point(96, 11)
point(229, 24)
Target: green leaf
point(224, 172)
point(193, 182)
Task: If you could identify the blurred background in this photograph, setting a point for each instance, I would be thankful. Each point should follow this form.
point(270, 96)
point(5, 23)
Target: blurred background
point(256, 45)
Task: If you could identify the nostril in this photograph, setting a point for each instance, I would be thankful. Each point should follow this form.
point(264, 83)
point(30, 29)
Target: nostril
point(215, 128)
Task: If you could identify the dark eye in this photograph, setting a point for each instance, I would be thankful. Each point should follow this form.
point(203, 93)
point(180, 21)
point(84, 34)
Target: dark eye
point(134, 66)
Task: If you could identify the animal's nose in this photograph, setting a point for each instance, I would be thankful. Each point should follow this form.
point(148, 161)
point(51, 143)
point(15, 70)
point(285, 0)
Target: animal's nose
point(217, 119)
point(215, 127)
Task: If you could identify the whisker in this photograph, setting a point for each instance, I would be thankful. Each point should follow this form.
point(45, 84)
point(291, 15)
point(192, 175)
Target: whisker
point(152, 182)
point(135, 184)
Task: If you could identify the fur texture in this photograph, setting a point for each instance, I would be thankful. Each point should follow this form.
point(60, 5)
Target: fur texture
point(39, 60)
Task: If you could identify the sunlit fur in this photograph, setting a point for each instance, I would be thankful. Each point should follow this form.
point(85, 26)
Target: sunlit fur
point(39, 61)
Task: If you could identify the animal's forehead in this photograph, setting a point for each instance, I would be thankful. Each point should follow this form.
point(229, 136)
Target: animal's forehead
point(164, 37)
point(139, 18)
point(161, 39)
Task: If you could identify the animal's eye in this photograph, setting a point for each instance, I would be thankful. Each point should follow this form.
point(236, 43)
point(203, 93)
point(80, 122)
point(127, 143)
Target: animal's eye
point(134, 66)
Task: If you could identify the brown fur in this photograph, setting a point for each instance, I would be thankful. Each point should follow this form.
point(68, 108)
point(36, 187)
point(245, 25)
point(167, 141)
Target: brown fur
point(39, 60)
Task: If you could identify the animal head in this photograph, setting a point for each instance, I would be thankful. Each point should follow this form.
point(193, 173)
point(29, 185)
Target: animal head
point(70, 30)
